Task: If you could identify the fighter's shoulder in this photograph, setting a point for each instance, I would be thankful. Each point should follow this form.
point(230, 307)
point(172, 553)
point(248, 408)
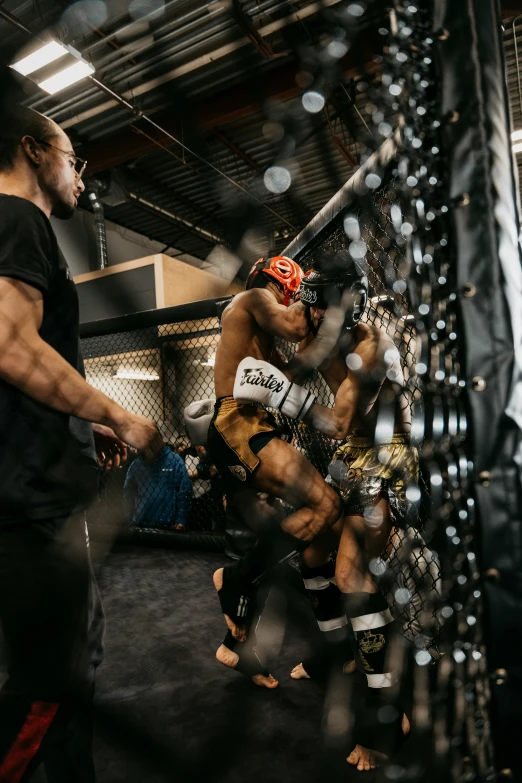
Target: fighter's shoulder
point(368, 331)
point(250, 300)
point(239, 310)
point(386, 344)
point(385, 340)
point(237, 304)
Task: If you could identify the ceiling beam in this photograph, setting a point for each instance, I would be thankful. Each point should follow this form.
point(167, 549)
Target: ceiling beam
point(221, 109)
point(213, 112)
point(237, 151)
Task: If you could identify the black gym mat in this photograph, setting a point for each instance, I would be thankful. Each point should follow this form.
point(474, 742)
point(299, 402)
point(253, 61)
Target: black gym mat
point(167, 711)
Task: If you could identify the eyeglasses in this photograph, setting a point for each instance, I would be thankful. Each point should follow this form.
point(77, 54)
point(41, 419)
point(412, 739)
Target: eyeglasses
point(77, 163)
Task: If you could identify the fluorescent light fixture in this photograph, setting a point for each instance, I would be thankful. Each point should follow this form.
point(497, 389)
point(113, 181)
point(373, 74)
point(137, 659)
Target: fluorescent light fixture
point(136, 375)
point(63, 74)
point(67, 77)
point(43, 56)
point(516, 135)
point(517, 147)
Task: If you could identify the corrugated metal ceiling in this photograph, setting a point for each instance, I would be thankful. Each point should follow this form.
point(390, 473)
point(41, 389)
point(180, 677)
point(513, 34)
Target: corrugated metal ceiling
point(189, 51)
point(178, 58)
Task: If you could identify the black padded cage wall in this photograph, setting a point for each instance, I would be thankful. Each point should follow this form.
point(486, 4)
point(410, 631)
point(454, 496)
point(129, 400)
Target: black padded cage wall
point(433, 215)
point(449, 180)
point(488, 284)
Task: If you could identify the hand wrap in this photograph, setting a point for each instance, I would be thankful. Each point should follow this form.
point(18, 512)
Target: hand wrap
point(259, 381)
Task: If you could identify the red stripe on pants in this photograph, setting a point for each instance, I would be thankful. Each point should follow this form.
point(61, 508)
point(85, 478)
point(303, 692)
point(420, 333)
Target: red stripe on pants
point(29, 739)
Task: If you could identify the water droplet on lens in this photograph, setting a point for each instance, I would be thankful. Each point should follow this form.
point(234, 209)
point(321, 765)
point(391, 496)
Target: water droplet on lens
point(377, 566)
point(402, 595)
point(355, 9)
point(373, 181)
point(277, 179)
point(357, 249)
point(313, 101)
point(413, 494)
point(354, 361)
point(351, 227)
point(336, 49)
point(422, 657)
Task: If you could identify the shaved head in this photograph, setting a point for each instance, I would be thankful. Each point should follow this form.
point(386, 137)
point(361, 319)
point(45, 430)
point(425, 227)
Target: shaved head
point(38, 162)
point(19, 122)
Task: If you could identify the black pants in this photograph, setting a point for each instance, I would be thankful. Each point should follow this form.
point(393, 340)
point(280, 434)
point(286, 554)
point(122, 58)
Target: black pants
point(52, 627)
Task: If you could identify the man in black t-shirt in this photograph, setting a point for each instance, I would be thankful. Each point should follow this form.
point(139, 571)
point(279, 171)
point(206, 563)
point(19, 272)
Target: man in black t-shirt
point(50, 614)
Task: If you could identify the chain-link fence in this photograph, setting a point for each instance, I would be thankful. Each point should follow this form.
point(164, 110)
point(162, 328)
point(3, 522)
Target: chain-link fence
point(157, 372)
point(370, 227)
point(399, 216)
point(408, 95)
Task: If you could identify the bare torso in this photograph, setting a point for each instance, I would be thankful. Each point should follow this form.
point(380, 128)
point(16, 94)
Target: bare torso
point(335, 371)
point(241, 336)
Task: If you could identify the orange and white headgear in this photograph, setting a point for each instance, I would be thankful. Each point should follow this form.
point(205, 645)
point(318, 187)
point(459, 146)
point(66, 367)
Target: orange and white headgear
point(281, 269)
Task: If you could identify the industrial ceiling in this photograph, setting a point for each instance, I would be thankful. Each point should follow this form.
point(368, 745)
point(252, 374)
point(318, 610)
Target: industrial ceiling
point(221, 81)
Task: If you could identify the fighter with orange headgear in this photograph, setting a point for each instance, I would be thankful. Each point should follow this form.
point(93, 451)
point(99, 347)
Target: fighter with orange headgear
point(283, 270)
point(252, 450)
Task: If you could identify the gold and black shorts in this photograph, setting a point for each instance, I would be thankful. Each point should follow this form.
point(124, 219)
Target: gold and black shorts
point(361, 473)
point(236, 435)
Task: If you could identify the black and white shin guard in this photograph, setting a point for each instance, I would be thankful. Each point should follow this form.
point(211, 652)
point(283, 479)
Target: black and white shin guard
point(273, 547)
point(378, 726)
point(327, 606)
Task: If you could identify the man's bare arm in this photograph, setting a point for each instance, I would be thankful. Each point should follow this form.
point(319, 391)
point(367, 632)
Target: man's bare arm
point(357, 393)
point(289, 323)
point(33, 366)
point(336, 422)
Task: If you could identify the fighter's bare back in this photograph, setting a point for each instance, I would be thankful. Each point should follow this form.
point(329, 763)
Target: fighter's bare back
point(249, 327)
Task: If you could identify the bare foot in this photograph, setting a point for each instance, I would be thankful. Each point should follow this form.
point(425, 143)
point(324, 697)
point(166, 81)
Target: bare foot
point(365, 759)
point(229, 658)
point(237, 631)
point(299, 673)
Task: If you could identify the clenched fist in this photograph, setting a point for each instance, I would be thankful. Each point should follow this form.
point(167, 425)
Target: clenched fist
point(141, 433)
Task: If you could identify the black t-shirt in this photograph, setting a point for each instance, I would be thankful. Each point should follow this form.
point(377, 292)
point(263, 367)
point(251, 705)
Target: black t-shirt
point(47, 459)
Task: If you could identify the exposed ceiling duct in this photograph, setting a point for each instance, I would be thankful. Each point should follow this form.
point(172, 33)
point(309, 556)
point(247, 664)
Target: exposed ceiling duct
point(95, 187)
